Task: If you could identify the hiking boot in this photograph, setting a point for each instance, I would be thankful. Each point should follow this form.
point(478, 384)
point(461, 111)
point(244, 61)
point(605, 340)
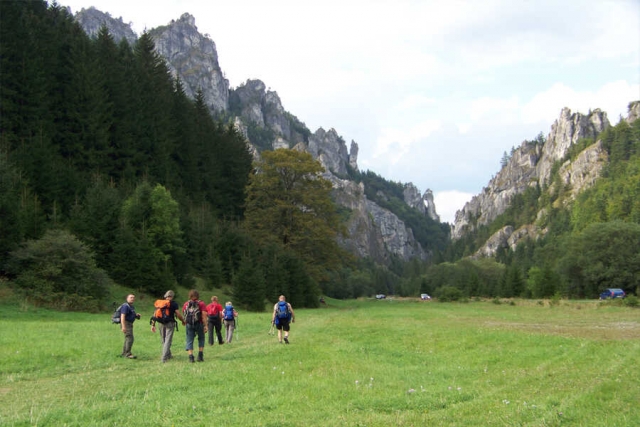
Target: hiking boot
point(200, 357)
point(191, 359)
point(131, 356)
point(286, 340)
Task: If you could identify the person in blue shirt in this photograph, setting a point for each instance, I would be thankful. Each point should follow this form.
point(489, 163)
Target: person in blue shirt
point(128, 315)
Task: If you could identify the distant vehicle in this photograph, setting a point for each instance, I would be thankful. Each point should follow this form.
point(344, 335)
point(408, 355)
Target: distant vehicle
point(613, 293)
point(425, 297)
point(381, 296)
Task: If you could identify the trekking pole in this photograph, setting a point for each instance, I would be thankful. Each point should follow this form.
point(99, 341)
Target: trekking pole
point(271, 328)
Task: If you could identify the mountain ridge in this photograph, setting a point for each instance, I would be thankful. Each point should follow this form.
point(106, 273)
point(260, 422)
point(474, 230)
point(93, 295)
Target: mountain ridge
point(258, 113)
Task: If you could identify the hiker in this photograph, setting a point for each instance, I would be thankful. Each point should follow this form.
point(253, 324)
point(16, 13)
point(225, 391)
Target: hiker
point(128, 315)
point(229, 315)
point(194, 313)
point(214, 314)
point(282, 316)
point(167, 325)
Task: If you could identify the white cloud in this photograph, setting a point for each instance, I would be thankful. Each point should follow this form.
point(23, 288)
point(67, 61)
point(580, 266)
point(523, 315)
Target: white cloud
point(414, 101)
point(394, 143)
point(449, 202)
point(612, 97)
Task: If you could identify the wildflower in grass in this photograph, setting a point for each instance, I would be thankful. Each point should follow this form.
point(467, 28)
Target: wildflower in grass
point(411, 391)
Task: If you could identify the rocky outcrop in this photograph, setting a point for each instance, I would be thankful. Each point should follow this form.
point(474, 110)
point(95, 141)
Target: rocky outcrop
point(530, 165)
point(373, 231)
point(565, 132)
point(422, 203)
point(330, 149)
point(194, 58)
point(634, 112)
point(91, 20)
point(507, 237)
point(256, 104)
point(581, 173)
point(353, 155)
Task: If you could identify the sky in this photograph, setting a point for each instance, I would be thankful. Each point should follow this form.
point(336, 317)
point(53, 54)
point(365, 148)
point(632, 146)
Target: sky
point(433, 91)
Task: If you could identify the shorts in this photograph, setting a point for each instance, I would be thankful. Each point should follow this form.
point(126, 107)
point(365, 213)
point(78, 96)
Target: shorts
point(282, 324)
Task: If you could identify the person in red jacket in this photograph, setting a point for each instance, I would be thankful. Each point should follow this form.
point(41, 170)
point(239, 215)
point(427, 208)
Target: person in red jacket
point(214, 313)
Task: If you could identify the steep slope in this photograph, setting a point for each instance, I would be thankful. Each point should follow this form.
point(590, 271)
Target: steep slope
point(375, 232)
point(533, 164)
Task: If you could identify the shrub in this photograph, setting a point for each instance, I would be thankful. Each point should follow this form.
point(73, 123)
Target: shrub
point(448, 293)
point(59, 271)
point(631, 301)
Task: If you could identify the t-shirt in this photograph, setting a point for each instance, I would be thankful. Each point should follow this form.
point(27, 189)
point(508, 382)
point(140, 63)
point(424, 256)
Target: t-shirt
point(173, 307)
point(203, 308)
point(129, 312)
point(214, 309)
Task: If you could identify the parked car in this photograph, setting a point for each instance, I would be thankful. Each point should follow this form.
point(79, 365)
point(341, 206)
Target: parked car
point(425, 297)
point(613, 293)
point(381, 296)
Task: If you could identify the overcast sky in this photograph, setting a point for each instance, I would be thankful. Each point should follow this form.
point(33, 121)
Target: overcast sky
point(433, 91)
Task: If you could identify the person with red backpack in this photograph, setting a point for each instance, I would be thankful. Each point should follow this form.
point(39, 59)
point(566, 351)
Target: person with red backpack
point(194, 312)
point(165, 317)
point(282, 317)
point(214, 313)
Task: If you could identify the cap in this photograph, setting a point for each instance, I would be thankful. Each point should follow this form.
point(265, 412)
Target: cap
point(169, 294)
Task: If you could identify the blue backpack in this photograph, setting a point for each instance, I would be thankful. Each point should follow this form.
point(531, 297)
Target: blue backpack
point(282, 311)
point(228, 312)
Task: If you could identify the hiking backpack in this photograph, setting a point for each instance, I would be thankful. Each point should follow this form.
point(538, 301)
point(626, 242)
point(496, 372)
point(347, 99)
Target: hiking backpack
point(162, 313)
point(282, 311)
point(228, 312)
point(192, 315)
point(115, 317)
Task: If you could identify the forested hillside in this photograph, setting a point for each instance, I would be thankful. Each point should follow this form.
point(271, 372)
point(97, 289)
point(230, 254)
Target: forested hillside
point(585, 245)
point(105, 162)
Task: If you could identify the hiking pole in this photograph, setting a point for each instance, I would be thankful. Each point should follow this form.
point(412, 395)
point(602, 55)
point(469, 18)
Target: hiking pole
point(271, 328)
point(236, 328)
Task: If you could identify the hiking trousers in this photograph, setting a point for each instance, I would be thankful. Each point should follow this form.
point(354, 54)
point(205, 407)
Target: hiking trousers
point(217, 324)
point(229, 326)
point(128, 338)
point(166, 335)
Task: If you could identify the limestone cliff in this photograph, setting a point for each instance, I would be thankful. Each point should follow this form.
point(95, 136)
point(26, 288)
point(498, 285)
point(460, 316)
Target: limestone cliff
point(258, 113)
point(91, 20)
point(531, 164)
point(193, 57)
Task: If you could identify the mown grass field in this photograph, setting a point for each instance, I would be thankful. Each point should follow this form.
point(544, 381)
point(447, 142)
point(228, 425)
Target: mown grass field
point(353, 363)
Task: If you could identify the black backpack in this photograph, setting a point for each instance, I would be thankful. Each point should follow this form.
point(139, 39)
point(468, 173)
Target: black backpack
point(192, 314)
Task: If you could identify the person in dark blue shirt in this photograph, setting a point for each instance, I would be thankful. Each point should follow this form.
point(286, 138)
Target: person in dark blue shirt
point(128, 315)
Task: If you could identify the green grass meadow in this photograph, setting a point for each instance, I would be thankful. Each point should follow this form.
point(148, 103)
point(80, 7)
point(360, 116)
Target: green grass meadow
point(350, 363)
